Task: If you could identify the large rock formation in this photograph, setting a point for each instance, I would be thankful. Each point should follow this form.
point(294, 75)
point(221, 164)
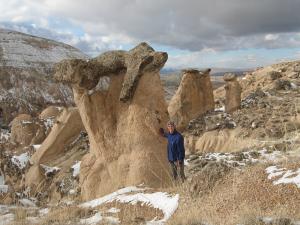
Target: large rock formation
point(233, 93)
point(193, 98)
point(121, 102)
point(66, 129)
point(26, 67)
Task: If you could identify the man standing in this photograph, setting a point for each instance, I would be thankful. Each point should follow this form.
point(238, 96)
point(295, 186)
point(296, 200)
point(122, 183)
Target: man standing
point(176, 151)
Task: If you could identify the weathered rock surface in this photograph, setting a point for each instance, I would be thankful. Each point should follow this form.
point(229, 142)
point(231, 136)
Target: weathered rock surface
point(26, 65)
point(27, 130)
point(233, 93)
point(121, 119)
point(193, 98)
point(50, 112)
point(66, 129)
point(24, 129)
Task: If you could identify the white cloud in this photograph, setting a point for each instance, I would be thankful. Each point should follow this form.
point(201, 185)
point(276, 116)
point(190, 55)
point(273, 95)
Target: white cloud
point(203, 27)
point(271, 37)
point(192, 25)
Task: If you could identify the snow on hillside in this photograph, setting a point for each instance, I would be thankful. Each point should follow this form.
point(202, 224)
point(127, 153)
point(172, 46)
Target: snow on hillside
point(24, 51)
point(26, 68)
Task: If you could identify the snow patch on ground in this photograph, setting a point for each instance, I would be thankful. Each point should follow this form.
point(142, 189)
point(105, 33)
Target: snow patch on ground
point(113, 210)
point(240, 159)
point(4, 135)
point(21, 160)
point(44, 211)
point(107, 198)
point(49, 170)
point(92, 220)
point(27, 203)
point(160, 200)
point(3, 187)
point(76, 169)
point(283, 175)
point(36, 147)
point(6, 219)
point(271, 156)
point(221, 109)
point(49, 122)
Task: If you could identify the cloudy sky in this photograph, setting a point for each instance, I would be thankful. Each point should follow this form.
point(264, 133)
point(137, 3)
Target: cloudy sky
point(195, 33)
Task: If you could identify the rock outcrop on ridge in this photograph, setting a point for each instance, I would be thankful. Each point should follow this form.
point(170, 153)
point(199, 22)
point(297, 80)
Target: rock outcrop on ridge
point(193, 98)
point(121, 102)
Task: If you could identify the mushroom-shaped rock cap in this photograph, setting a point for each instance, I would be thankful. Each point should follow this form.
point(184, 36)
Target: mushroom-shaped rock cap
point(229, 77)
point(86, 74)
point(78, 72)
point(201, 72)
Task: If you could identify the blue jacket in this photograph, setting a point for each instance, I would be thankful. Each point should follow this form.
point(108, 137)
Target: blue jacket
point(176, 149)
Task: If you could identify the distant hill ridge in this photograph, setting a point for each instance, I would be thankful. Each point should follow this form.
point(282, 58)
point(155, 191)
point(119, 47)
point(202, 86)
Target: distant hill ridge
point(20, 50)
point(26, 64)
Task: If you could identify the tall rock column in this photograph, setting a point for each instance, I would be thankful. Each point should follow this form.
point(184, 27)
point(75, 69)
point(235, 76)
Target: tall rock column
point(233, 93)
point(193, 98)
point(121, 102)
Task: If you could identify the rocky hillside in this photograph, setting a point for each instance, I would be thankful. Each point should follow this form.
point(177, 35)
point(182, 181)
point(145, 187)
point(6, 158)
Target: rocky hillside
point(99, 162)
point(26, 63)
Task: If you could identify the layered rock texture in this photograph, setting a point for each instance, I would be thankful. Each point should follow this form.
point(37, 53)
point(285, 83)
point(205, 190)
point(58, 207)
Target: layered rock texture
point(121, 102)
point(26, 65)
point(233, 93)
point(193, 98)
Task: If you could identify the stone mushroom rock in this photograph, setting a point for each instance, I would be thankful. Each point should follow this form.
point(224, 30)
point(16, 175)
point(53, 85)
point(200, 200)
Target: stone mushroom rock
point(233, 93)
point(193, 98)
point(121, 120)
point(135, 62)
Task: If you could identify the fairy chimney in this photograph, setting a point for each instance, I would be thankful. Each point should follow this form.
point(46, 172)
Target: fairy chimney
point(233, 93)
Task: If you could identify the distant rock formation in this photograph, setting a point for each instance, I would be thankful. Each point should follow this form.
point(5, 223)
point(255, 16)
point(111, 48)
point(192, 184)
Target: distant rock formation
point(121, 102)
point(23, 129)
point(193, 98)
point(50, 112)
point(26, 67)
point(233, 93)
point(27, 130)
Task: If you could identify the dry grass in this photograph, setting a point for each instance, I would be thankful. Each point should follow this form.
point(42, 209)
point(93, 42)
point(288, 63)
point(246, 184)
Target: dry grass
point(238, 198)
point(20, 216)
point(66, 215)
point(128, 215)
point(132, 214)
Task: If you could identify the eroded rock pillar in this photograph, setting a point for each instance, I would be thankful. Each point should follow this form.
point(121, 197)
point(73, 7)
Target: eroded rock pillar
point(121, 118)
point(193, 98)
point(233, 93)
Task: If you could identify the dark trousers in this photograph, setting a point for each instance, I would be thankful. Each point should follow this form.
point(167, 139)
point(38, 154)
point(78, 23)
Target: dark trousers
point(175, 170)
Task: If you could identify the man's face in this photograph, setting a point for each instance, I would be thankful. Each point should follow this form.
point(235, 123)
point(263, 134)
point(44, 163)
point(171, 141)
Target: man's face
point(171, 128)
